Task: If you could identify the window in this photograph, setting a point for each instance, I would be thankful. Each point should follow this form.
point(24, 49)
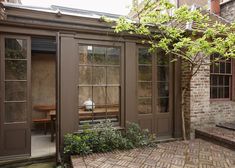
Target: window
point(99, 84)
point(220, 78)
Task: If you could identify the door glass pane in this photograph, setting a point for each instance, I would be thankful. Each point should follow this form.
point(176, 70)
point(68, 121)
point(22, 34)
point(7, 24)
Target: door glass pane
point(15, 70)
point(163, 105)
point(113, 96)
point(113, 56)
point(113, 75)
point(162, 73)
point(15, 48)
point(144, 56)
point(145, 73)
point(163, 89)
point(145, 105)
point(15, 91)
point(15, 112)
point(145, 89)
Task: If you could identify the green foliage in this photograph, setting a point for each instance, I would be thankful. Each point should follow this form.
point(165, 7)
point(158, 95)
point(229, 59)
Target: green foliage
point(104, 138)
point(184, 32)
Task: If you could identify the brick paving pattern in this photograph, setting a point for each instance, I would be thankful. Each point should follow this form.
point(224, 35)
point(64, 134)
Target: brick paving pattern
point(178, 154)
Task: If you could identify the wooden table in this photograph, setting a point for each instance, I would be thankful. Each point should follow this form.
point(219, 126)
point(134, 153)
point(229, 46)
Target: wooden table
point(51, 111)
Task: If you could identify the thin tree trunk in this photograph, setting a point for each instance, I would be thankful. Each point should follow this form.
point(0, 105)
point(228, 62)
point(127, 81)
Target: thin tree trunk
point(183, 113)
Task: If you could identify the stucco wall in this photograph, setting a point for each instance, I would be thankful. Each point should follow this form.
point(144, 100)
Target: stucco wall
point(227, 10)
point(43, 81)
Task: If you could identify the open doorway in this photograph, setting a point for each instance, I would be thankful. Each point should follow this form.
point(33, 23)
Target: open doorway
point(43, 93)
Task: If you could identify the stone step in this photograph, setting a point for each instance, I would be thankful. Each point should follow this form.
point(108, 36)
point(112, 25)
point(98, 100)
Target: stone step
point(221, 136)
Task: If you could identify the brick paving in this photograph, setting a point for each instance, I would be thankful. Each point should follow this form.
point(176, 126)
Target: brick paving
point(178, 154)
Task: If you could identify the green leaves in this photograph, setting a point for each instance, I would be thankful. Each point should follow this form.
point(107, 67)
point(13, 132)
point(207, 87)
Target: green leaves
point(184, 32)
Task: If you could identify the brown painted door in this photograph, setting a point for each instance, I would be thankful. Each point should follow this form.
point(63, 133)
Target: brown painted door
point(154, 92)
point(163, 95)
point(15, 96)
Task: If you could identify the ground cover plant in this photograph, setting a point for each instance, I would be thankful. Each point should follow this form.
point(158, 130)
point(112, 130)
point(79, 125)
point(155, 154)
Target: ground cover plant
point(104, 137)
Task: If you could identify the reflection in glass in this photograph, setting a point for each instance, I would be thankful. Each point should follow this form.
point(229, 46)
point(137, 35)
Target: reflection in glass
point(85, 54)
point(15, 69)
point(15, 48)
point(113, 56)
point(163, 105)
point(84, 94)
point(145, 73)
point(145, 89)
point(113, 75)
point(113, 96)
point(85, 75)
point(15, 91)
point(15, 112)
point(99, 55)
point(162, 73)
point(99, 96)
point(145, 105)
point(98, 75)
point(144, 56)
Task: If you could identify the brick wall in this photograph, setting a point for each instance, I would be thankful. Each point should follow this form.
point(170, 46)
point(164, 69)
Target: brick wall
point(227, 10)
point(200, 110)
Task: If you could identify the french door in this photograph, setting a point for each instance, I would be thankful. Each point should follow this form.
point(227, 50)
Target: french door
point(155, 92)
point(15, 95)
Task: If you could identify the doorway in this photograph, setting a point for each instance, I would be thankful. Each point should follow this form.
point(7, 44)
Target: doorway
point(155, 99)
point(28, 113)
point(43, 92)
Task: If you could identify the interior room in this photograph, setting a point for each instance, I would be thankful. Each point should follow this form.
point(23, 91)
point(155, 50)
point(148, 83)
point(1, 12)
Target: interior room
point(43, 82)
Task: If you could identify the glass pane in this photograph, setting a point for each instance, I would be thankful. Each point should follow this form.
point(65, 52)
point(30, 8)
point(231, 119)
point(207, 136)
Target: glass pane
point(99, 96)
point(216, 67)
point(214, 80)
point(226, 80)
point(228, 68)
point(163, 73)
point(15, 69)
point(15, 112)
point(99, 75)
point(15, 91)
point(113, 96)
point(85, 54)
point(113, 75)
point(145, 73)
point(221, 80)
point(85, 75)
point(222, 67)
point(163, 105)
point(15, 48)
point(226, 92)
point(214, 92)
point(162, 58)
point(99, 55)
point(211, 68)
point(113, 56)
point(85, 93)
point(145, 89)
point(221, 92)
point(144, 56)
point(163, 89)
point(145, 106)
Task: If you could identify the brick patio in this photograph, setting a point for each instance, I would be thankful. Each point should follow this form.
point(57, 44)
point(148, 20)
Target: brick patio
point(178, 154)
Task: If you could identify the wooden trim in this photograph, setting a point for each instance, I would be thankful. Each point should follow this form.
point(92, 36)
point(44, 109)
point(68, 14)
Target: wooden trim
point(233, 79)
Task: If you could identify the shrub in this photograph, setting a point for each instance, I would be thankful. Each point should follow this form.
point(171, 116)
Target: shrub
point(104, 138)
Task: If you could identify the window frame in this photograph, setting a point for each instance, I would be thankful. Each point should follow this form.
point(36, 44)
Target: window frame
point(231, 80)
point(96, 43)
